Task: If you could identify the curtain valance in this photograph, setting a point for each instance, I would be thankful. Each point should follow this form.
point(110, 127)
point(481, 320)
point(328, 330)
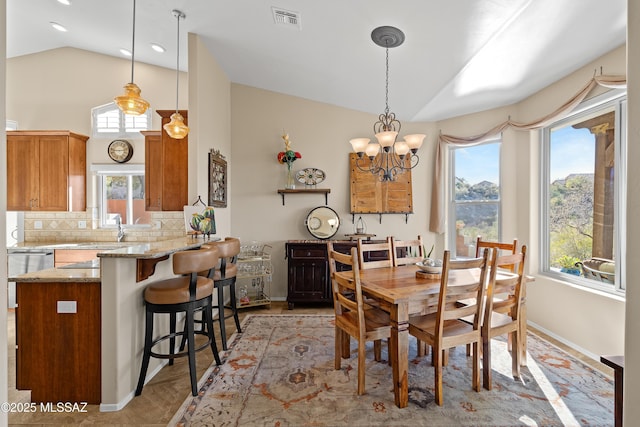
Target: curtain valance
point(437, 219)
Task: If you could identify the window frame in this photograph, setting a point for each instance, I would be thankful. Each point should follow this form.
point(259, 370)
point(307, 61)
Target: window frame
point(616, 98)
point(451, 228)
point(102, 170)
point(122, 122)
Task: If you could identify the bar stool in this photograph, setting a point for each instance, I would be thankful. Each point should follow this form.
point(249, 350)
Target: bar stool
point(223, 276)
point(186, 293)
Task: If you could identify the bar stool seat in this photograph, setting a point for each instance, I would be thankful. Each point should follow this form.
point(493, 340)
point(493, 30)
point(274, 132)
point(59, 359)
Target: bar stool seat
point(186, 293)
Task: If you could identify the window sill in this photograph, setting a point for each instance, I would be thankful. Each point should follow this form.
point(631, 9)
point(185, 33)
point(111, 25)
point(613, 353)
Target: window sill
point(586, 285)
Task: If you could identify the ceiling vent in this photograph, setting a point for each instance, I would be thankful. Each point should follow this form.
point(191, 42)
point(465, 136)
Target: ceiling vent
point(286, 18)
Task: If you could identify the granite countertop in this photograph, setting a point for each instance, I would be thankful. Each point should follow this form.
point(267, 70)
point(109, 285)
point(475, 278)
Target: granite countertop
point(90, 271)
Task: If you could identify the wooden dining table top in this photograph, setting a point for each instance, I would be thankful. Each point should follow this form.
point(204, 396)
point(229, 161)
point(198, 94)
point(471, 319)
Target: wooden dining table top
point(401, 284)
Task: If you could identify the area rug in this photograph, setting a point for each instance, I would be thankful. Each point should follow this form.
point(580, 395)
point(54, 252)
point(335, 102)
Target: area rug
point(279, 372)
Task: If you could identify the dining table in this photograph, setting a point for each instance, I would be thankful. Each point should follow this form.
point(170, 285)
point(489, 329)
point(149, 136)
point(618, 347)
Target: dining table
point(402, 293)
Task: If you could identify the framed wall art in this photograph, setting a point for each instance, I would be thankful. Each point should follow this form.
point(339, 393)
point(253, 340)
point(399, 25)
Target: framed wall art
point(217, 179)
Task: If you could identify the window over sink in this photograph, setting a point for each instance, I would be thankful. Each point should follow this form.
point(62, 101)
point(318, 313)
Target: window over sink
point(120, 192)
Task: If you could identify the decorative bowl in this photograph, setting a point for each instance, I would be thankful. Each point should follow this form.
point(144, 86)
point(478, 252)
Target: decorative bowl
point(430, 266)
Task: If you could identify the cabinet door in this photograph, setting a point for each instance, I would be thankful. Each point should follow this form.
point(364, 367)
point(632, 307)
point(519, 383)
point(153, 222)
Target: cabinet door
point(308, 281)
point(153, 171)
point(53, 173)
point(308, 273)
point(22, 172)
point(174, 177)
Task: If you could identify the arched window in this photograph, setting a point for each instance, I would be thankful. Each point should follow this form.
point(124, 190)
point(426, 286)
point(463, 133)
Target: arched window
point(109, 121)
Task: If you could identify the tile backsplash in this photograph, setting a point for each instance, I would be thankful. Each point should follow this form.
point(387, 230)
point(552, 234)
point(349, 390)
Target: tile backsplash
point(66, 227)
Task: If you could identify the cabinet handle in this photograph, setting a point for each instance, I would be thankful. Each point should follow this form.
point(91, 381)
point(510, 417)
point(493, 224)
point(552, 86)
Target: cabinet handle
point(158, 201)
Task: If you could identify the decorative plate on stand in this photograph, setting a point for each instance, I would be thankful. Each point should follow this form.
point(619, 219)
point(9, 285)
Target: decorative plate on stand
point(310, 176)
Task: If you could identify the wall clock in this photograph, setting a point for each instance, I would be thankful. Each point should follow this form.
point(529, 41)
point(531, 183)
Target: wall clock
point(120, 150)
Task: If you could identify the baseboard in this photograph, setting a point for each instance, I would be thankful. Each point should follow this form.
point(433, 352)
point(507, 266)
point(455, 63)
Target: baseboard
point(113, 407)
point(570, 344)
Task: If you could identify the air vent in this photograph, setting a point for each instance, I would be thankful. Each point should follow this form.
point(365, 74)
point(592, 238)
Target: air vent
point(286, 18)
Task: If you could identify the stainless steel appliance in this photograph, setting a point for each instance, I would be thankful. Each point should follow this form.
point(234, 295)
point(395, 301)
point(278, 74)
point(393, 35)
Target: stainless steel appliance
point(20, 261)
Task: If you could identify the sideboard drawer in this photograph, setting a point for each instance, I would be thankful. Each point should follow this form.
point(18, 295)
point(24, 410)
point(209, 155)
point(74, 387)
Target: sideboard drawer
point(308, 251)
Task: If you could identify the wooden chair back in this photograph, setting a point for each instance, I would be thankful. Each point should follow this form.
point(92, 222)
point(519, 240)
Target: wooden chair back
point(502, 313)
point(407, 251)
point(451, 293)
point(381, 253)
point(503, 248)
point(347, 292)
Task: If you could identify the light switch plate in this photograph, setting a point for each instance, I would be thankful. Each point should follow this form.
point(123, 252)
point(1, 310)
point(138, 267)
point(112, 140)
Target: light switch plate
point(67, 306)
point(82, 224)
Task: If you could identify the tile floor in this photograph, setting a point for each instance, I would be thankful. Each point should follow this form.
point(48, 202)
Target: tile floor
point(164, 394)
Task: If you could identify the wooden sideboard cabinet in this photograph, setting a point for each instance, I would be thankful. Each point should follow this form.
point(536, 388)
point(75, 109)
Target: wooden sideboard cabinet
point(308, 278)
point(166, 168)
point(46, 171)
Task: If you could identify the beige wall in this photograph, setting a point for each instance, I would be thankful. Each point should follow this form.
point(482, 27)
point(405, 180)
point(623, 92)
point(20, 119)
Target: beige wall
point(209, 125)
point(632, 320)
point(321, 133)
point(591, 321)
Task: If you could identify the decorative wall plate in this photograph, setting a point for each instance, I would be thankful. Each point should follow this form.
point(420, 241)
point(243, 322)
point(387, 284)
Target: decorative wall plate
point(310, 176)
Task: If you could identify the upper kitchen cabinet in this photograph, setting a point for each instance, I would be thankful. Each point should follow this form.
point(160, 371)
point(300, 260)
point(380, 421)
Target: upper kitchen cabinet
point(166, 168)
point(46, 171)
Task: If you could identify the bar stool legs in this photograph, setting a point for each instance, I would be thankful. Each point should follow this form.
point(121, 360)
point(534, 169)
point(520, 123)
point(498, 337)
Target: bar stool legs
point(220, 285)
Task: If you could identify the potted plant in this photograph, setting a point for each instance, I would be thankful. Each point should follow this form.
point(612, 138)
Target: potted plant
point(568, 264)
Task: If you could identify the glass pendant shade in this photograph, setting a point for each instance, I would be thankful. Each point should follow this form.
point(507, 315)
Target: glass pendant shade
point(131, 102)
point(372, 150)
point(401, 148)
point(176, 128)
point(414, 141)
point(359, 144)
point(386, 139)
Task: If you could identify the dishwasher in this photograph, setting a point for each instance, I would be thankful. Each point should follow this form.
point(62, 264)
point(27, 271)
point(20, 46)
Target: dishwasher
point(20, 261)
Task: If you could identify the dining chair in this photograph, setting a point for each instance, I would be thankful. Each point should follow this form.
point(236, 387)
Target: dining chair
point(407, 251)
point(502, 314)
point(351, 318)
point(444, 329)
point(504, 248)
point(375, 255)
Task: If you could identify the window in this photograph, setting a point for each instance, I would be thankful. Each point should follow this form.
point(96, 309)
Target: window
point(583, 203)
point(121, 192)
point(475, 196)
point(109, 121)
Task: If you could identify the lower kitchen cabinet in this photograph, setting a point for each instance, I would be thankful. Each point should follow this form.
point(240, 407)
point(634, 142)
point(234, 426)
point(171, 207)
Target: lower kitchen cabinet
point(58, 341)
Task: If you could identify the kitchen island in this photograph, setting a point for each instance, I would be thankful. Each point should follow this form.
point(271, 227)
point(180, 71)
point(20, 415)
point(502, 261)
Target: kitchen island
point(119, 283)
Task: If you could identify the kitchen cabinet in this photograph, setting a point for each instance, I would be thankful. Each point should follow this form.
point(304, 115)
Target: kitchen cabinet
point(46, 171)
point(58, 341)
point(166, 168)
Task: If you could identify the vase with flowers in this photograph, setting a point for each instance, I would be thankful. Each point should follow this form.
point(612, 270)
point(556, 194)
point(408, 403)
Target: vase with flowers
point(288, 156)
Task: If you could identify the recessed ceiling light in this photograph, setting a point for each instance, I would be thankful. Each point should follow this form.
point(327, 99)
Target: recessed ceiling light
point(65, 2)
point(157, 48)
point(58, 27)
point(125, 52)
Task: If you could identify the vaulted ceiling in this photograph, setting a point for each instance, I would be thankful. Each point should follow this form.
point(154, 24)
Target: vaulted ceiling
point(458, 57)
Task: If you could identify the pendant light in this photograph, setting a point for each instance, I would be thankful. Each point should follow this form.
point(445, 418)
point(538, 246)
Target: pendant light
point(131, 102)
point(176, 127)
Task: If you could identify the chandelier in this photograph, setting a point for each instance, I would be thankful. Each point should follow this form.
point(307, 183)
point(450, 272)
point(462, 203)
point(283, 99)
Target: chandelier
point(387, 158)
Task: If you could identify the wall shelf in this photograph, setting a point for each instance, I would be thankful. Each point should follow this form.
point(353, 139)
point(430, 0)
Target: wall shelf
point(324, 191)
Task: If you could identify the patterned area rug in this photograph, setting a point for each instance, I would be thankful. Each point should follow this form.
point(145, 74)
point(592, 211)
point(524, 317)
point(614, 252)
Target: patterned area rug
point(279, 372)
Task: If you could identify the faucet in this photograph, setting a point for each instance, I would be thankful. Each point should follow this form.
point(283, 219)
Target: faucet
point(120, 229)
